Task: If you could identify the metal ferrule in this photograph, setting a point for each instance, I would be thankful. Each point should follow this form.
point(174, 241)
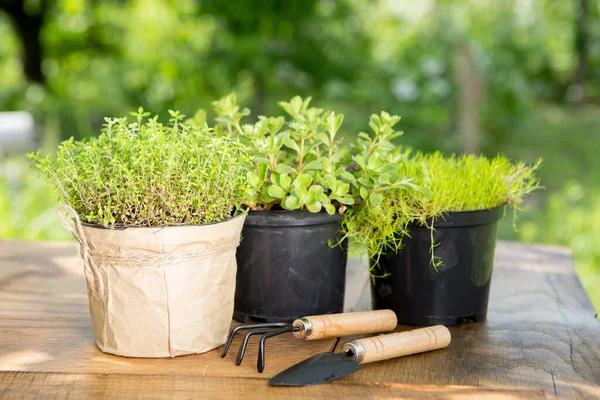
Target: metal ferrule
point(305, 328)
point(357, 350)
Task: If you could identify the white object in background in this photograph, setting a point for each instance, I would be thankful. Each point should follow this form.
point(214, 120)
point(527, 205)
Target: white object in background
point(17, 132)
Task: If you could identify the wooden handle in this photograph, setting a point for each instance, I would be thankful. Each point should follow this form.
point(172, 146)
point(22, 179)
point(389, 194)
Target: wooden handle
point(336, 325)
point(392, 345)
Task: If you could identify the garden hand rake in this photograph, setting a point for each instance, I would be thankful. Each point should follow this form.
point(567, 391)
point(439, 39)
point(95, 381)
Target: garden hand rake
point(314, 328)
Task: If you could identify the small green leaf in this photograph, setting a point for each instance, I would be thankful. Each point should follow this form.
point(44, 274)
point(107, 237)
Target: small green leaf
point(375, 199)
point(323, 138)
point(316, 164)
point(291, 203)
point(342, 189)
point(304, 180)
point(287, 107)
point(285, 182)
point(384, 179)
point(314, 207)
point(262, 172)
point(251, 194)
point(300, 191)
point(296, 104)
point(291, 143)
point(374, 163)
point(330, 208)
point(339, 119)
point(368, 182)
point(265, 196)
point(332, 183)
point(364, 193)
point(284, 169)
point(346, 200)
point(317, 190)
point(277, 192)
point(360, 161)
point(275, 178)
point(424, 191)
point(275, 124)
point(347, 175)
point(253, 179)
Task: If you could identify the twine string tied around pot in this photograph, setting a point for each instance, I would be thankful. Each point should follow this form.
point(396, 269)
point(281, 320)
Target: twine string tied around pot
point(91, 256)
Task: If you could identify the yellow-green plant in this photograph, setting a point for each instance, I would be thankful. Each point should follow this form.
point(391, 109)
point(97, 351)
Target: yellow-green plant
point(467, 183)
point(452, 183)
point(144, 173)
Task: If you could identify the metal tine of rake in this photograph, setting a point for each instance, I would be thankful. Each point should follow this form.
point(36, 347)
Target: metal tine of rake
point(260, 363)
point(249, 326)
point(266, 333)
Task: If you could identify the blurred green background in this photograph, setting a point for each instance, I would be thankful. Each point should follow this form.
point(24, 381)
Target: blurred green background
point(520, 77)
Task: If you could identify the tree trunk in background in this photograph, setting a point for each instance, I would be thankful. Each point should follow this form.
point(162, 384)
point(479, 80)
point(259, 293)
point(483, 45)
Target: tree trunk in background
point(582, 10)
point(28, 26)
point(469, 83)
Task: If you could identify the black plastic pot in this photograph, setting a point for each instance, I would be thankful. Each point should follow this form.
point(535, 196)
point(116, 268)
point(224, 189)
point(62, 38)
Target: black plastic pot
point(459, 290)
point(286, 269)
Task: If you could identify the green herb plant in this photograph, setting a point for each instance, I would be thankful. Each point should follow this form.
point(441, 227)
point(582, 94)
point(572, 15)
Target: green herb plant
point(467, 183)
point(144, 173)
point(299, 163)
point(453, 183)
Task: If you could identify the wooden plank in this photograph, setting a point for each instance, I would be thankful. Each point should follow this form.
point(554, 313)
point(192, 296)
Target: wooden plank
point(20, 385)
point(45, 324)
point(72, 350)
point(541, 333)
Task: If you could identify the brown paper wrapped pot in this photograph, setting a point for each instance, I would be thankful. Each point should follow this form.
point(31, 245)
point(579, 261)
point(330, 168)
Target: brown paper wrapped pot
point(160, 292)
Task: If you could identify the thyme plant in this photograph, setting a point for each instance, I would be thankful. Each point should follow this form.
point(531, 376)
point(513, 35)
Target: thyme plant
point(144, 173)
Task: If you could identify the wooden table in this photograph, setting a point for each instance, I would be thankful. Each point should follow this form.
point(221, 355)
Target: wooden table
point(541, 340)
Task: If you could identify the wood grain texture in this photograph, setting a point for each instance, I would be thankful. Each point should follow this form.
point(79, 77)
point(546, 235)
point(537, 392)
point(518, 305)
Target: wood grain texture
point(541, 333)
point(45, 325)
point(344, 324)
point(22, 385)
point(541, 338)
point(398, 344)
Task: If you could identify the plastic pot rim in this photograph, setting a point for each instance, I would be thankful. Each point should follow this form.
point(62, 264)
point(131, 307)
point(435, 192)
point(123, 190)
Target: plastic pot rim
point(287, 218)
point(460, 219)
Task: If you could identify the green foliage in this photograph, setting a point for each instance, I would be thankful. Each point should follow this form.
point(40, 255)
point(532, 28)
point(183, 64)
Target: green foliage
point(299, 164)
point(467, 183)
point(440, 184)
point(147, 174)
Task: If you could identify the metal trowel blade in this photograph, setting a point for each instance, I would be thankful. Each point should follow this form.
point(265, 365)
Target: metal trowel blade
point(322, 368)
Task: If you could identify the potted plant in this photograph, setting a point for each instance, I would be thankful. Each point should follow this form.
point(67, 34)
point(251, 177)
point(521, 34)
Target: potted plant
point(151, 207)
point(301, 189)
point(440, 269)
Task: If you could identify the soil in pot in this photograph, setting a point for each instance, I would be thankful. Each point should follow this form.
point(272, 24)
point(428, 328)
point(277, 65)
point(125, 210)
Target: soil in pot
point(459, 290)
point(286, 269)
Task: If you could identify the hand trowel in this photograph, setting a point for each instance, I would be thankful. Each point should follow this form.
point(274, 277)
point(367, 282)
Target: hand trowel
point(327, 367)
